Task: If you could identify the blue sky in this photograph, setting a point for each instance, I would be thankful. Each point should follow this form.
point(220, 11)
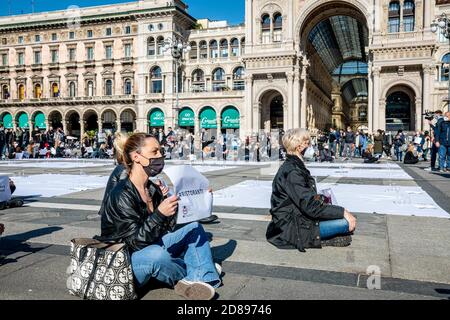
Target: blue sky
point(231, 10)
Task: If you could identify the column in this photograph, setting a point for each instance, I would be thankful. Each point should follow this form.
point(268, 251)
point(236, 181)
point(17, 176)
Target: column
point(426, 96)
point(370, 100)
point(197, 141)
point(296, 102)
point(47, 124)
point(376, 97)
point(289, 111)
point(219, 125)
point(64, 123)
point(100, 124)
point(256, 115)
point(82, 123)
point(286, 116)
point(427, 14)
point(401, 16)
point(418, 114)
point(303, 123)
point(118, 125)
point(248, 104)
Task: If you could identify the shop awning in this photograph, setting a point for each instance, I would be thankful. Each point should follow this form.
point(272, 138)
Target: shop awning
point(208, 118)
point(186, 118)
point(23, 121)
point(230, 118)
point(39, 120)
point(157, 118)
point(7, 121)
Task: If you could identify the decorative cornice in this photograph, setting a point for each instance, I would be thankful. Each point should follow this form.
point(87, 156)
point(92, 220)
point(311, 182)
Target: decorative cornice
point(130, 15)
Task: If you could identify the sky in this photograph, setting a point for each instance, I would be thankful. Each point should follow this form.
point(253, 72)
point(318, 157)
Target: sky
point(231, 10)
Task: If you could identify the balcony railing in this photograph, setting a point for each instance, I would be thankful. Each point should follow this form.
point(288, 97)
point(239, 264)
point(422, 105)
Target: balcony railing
point(108, 62)
point(36, 66)
point(89, 63)
point(127, 60)
point(4, 68)
point(20, 67)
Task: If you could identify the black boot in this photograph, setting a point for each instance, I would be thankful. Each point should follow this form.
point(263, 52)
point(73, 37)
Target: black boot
point(339, 241)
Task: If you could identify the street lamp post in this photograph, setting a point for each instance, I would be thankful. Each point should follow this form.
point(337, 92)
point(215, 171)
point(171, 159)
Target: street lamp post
point(176, 48)
point(443, 25)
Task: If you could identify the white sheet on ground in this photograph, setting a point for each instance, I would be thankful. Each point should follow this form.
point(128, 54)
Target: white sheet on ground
point(360, 173)
point(386, 165)
point(407, 201)
point(53, 164)
point(203, 169)
point(51, 185)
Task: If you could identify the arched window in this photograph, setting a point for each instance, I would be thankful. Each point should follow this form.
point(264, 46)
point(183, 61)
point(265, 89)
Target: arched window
point(408, 15)
point(5, 92)
point(55, 90)
point(218, 80)
point(108, 87)
point(234, 47)
point(277, 27)
point(127, 87)
point(265, 28)
point(214, 49)
point(37, 91)
point(90, 88)
point(160, 44)
point(156, 80)
point(72, 89)
point(238, 79)
point(203, 50)
point(394, 17)
point(21, 92)
point(445, 67)
point(193, 54)
point(151, 46)
point(198, 81)
point(224, 48)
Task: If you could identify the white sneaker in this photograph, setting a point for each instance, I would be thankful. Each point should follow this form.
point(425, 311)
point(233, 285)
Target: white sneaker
point(218, 268)
point(194, 290)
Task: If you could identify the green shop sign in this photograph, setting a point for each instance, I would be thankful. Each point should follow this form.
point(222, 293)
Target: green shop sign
point(7, 121)
point(157, 118)
point(186, 118)
point(39, 121)
point(208, 118)
point(23, 121)
point(230, 118)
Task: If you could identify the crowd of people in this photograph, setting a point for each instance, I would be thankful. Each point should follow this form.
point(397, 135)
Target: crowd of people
point(409, 149)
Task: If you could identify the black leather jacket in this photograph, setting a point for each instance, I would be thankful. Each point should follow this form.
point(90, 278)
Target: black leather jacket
point(297, 209)
point(127, 219)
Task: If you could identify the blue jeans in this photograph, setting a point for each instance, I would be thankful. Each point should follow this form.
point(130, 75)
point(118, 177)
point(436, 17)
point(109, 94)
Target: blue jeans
point(444, 152)
point(182, 254)
point(332, 228)
point(398, 153)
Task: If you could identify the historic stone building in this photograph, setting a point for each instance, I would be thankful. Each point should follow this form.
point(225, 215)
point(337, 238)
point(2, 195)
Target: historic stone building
point(293, 63)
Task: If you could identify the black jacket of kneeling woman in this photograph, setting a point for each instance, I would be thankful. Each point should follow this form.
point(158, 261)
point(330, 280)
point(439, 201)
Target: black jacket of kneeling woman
point(297, 209)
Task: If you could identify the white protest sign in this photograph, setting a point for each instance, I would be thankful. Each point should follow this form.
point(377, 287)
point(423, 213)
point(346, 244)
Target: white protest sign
point(195, 201)
point(5, 191)
point(330, 195)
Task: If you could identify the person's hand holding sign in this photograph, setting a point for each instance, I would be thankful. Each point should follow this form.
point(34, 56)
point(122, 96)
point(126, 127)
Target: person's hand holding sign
point(169, 206)
point(164, 188)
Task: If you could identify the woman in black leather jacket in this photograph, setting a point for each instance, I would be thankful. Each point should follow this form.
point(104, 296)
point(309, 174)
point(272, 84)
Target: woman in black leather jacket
point(300, 217)
point(138, 214)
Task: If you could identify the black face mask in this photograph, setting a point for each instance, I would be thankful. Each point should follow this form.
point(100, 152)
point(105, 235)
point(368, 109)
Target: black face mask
point(155, 167)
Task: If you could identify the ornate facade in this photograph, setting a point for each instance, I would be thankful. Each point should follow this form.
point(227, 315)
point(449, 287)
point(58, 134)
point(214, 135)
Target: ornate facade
point(293, 63)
